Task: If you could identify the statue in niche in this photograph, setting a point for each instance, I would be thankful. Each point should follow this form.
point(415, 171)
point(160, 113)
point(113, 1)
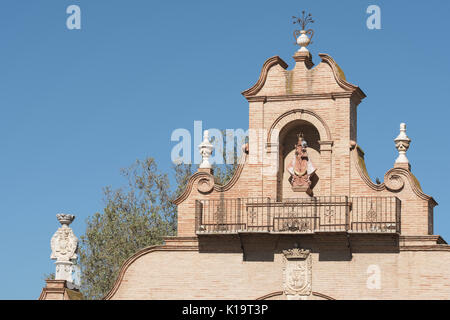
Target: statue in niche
point(301, 169)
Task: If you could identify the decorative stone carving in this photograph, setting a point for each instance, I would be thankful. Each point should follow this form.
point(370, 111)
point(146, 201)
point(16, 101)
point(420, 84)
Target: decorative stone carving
point(206, 149)
point(205, 184)
point(297, 274)
point(64, 245)
point(402, 143)
point(296, 253)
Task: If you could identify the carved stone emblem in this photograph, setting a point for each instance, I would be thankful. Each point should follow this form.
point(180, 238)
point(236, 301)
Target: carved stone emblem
point(64, 246)
point(297, 273)
point(64, 243)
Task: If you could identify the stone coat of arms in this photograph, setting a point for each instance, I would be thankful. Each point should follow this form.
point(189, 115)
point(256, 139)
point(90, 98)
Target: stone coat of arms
point(297, 273)
point(64, 243)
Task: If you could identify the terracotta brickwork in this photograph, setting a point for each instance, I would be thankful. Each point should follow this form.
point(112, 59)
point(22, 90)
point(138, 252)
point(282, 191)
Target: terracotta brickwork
point(409, 263)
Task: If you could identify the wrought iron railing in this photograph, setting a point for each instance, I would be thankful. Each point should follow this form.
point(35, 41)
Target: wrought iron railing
point(306, 215)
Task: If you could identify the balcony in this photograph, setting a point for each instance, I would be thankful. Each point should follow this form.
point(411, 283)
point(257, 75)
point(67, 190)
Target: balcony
point(302, 215)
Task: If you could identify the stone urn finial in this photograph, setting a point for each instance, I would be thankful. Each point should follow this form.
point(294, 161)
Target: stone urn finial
point(206, 149)
point(64, 245)
point(301, 36)
point(402, 143)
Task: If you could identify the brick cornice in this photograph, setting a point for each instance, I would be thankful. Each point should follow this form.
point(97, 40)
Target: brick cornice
point(257, 99)
point(434, 247)
point(435, 238)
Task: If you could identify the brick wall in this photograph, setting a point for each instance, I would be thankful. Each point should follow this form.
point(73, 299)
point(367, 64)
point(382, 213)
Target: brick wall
point(413, 265)
point(225, 273)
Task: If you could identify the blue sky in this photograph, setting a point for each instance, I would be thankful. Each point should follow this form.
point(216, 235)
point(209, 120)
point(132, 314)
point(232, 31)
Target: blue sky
point(78, 105)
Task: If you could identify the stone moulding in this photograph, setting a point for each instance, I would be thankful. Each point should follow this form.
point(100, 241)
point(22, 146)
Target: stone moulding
point(302, 96)
point(137, 255)
point(273, 61)
point(199, 176)
point(394, 179)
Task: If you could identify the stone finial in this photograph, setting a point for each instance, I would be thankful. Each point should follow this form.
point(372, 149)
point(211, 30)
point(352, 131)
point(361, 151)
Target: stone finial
point(402, 143)
point(64, 245)
point(206, 149)
point(303, 40)
point(301, 36)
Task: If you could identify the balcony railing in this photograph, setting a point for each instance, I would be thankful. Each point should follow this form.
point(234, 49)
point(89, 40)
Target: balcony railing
point(303, 215)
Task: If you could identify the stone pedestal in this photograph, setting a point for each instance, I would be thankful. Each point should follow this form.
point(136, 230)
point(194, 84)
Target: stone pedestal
point(305, 57)
point(64, 270)
point(403, 165)
point(59, 290)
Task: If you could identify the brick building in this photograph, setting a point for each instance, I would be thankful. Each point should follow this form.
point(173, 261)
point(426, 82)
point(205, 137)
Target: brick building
point(257, 237)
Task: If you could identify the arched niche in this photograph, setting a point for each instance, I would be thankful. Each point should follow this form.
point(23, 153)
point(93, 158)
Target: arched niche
point(286, 152)
point(321, 143)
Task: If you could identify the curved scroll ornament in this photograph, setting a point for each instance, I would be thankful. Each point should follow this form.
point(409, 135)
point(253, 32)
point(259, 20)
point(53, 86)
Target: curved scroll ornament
point(297, 273)
point(205, 184)
point(393, 181)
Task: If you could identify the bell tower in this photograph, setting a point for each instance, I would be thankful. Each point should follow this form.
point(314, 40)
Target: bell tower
point(315, 100)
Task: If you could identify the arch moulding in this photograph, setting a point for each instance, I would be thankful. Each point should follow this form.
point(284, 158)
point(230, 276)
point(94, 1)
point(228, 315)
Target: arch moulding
point(298, 114)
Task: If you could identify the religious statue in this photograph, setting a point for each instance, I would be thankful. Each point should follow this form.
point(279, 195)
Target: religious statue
point(301, 168)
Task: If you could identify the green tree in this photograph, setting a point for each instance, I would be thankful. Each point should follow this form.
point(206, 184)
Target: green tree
point(136, 216)
point(224, 172)
point(182, 174)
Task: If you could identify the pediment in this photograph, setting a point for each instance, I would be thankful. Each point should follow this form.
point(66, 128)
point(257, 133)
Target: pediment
point(324, 80)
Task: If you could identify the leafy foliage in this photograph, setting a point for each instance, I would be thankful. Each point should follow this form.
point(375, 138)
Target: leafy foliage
point(49, 276)
point(134, 217)
point(224, 172)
